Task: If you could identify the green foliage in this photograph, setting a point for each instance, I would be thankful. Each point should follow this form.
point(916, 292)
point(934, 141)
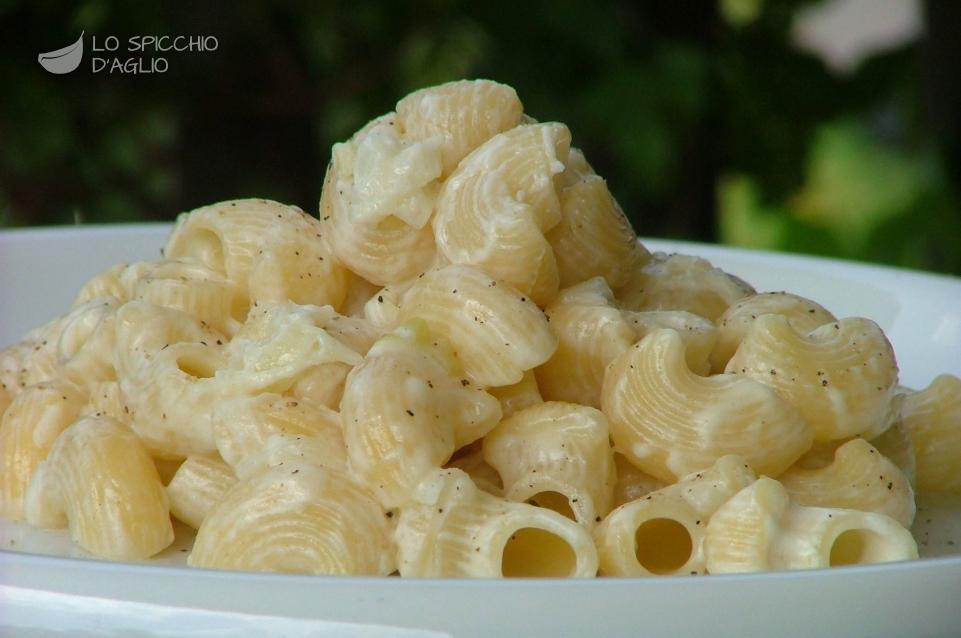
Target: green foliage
point(705, 120)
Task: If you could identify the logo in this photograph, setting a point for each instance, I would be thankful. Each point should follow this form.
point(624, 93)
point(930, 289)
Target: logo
point(63, 60)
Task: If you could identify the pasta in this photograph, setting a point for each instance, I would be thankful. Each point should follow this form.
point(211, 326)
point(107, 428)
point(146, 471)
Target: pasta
point(466, 366)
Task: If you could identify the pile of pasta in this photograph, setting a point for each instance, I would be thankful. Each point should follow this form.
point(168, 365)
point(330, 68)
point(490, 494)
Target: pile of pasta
point(466, 366)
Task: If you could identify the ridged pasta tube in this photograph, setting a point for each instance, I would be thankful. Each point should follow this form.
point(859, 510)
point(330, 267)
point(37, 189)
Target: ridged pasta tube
point(100, 481)
point(932, 417)
point(662, 533)
point(803, 314)
point(591, 332)
point(197, 486)
point(280, 343)
point(594, 238)
point(382, 236)
point(272, 252)
point(556, 455)
point(494, 210)
point(28, 430)
point(406, 409)
point(670, 422)
point(106, 283)
point(244, 426)
point(632, 483)
point(296, 518)
point(462, 114)
point(497, 332)
point(841, 376)
point(452, 529)
point(191, 287)
point(859, 478)
point(33, 359)
point(85, 348)
point(760, 529)
point(517, 396)
point(682, 282)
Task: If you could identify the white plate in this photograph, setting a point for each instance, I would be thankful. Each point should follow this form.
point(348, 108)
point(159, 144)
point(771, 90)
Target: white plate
point(40, 272)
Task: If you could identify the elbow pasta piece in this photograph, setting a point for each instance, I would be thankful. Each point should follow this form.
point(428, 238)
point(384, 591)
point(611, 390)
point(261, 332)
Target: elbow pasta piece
point(169, 399)
point(297, 518)
point(34, 359)
point(670, 422)
point(86, 348)
point(556, 455)
point(28, 430)
point(386, 239)
point(142, 330)
point(632, 483)
point(803, 314)
point(594, 238)
point(932, 418)
point(494, 210)
point(682, 282)
point(761, 529)
point(841, 377)
point(278, 344)
point(662, 533)
point(190, 287)
point(104, 284)
point(859, 478)
point(199, 483)
point(517, 396)
point(496, 331)
point(395, 437)
point(105, 400)
point(382, 310)
point(452, 529)
point(321, 384)
point(272, 252)
point(359, 292)
point(698, 334)
point(244, 427)
point(463, 115)
point(591, 332)
point(101, 482)
point(470, 459)
point(5, 400)
point(895, 443)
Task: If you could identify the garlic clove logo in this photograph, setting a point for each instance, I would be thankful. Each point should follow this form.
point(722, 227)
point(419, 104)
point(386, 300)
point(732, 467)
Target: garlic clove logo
point(63, 60)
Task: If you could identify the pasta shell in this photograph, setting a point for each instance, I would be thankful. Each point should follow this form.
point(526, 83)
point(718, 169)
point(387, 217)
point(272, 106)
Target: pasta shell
point(932, 417)
point(594, 238)
point(591, 332)
point(270, 251)
point(298, 518)
point(197, 486)
point(803, 314)
point(761, 529)
point(662, 533)
point(556, 455)
point(86, 345)
point(859, 478)
point(394, 438)
point(452, 529)
point(682, 282)
point(495, 330)
point(377, 245)
point(517, 396)
point(670, 422)
point(493, 211)
point(840, 377)
point(244, 427)
point(28, 430)
point(463, 114)
point(101, 480)
point(632, 483)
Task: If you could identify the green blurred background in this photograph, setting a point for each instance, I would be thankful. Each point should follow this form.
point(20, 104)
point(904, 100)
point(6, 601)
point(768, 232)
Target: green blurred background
point(708, 119)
